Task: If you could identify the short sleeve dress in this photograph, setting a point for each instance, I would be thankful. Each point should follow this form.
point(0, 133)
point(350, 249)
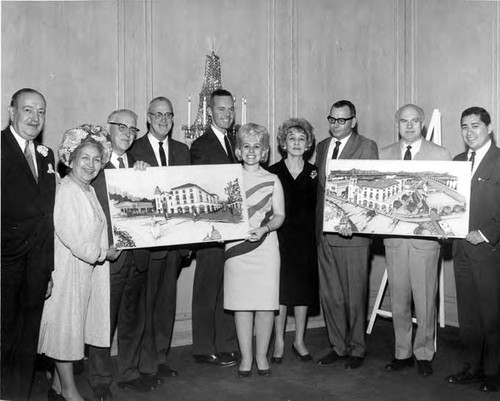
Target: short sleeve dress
point(299, 265)
point(252, 269)
point(77, 312)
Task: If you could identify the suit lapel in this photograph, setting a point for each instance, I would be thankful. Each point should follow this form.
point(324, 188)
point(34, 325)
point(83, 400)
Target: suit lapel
point(484, 170)
point(350, 147)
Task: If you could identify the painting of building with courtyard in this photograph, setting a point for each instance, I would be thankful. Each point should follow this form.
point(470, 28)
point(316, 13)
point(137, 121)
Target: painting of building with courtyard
point(164, 206)
point(412, 198)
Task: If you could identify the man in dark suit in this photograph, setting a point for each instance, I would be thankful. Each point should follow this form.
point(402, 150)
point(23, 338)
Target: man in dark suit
point(157, 148)
point(343, 259)
point(214, 334)
point(412, 264)
point(28, 191)
point(477, 257)
point(128, 276)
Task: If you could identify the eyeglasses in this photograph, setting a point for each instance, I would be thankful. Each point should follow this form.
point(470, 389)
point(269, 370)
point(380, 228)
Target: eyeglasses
point(123, 128)
point(341, 121)
point(158, 116)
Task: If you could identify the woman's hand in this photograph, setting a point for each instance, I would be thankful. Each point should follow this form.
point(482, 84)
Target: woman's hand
point(113, 253)
point(257, 233)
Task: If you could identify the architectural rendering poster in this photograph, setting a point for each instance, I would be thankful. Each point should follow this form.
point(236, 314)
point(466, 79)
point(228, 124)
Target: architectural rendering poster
point(176, 205)
point(426, 198)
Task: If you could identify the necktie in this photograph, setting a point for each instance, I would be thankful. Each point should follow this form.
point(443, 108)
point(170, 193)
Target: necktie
point(29, 159)
point(336, 150)
point(472, 159)
point(407, 155)
point(162, 154)
point(121, 164)
point(229, 149)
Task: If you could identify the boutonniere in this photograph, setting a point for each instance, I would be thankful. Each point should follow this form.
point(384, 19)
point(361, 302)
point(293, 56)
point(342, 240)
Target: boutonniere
point(314, 173)
point(50, 169)
point(42, 150)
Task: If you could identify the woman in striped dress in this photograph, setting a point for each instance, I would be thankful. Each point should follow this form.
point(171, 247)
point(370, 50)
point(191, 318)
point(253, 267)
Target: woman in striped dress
point(251, 272)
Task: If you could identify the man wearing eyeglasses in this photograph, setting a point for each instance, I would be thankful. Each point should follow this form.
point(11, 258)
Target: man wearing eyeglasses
point(412, 263)
point(159, 149)
point(343, 258)
point(128, 276)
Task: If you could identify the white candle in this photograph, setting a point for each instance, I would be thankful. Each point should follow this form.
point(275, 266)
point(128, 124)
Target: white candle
point(204, 111)
point(245, 111)
point(189, 112)
point(242, 111)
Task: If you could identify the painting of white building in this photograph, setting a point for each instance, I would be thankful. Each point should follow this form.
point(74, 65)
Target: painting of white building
point(176, 205)
point(398, 197)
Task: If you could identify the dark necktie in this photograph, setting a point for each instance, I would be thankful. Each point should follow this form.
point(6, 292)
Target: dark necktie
point(120, 162)
point(229, 149)
point(29, 159)
point(336, 150)
point(407, 155)
point(162, 154)
point(472, 158)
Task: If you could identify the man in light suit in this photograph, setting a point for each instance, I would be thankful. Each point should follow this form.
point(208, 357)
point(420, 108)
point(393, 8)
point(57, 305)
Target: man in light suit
point(28, 192)
point(412, 264)
point(477, 257)
point(157, 148)
point(214, 334)
point(343, 259)
point(128, 276)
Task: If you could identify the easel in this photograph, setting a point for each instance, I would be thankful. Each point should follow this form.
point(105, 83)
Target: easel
point(434, 135)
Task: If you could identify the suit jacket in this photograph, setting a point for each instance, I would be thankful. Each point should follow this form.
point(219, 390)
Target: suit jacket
point(207, 149)
point(178, 152)
point(178, 155)
point(428, 151)
point(27, 206)
point(484, 205)
point(357, 147)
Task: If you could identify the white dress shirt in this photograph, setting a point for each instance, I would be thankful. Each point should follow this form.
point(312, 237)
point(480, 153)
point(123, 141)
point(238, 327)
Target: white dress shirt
point(155, 144)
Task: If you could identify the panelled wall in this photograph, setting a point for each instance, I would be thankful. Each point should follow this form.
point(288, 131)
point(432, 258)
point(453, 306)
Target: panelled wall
point(287, 57)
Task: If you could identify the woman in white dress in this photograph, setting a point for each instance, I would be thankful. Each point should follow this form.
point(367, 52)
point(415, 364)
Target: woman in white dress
point(251, 271)
point(78, 310)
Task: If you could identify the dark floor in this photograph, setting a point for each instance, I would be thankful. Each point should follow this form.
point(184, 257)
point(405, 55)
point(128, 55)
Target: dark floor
point(295, 380)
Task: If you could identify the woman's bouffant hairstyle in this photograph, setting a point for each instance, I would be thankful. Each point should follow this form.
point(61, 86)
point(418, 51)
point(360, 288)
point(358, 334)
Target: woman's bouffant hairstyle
point(300, 125)
point(260, 132)
point(75, 138)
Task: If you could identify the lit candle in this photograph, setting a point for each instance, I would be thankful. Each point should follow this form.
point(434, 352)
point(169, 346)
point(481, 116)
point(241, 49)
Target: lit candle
point(245, 112)
point(189, 112)
point(204, 111)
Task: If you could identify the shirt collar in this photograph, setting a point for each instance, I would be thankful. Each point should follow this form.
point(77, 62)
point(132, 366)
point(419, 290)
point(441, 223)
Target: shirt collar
point(114, 160)
point(415, 146)
point(481, 151)
point(20, 140)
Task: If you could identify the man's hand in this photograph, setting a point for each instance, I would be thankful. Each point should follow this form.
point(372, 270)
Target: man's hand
point(141, 166)
point(345, 231)
point(474, 237)
point(113, 253)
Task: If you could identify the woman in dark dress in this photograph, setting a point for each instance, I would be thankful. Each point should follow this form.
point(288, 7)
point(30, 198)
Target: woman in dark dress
point(299, 270)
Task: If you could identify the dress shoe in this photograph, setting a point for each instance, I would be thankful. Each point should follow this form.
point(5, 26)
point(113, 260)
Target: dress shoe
point(222, 359)
point(424, 368)
point(102, 393)
point(140, 385)
point(277, 360)
point(354, 362)
point(399, 364)
point(152, 379)
point(244, 373)
point(53, 395)
point(488, 387)
point(303, 358)
point(466, 376)
point(264, 372)
point(329, 358)
point(166, 371)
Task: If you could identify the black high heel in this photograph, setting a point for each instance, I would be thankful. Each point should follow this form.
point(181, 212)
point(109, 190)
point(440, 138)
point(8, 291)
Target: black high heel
point(244, 373)
point(303, 358)
point(277, 359)
point(52, 395)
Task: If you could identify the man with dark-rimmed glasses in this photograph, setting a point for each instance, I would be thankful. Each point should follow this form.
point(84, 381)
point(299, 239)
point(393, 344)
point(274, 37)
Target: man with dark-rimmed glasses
point(342, 258)
point(128, 276)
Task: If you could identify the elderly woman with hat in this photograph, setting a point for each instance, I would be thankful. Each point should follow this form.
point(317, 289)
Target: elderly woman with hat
point(78, 310)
